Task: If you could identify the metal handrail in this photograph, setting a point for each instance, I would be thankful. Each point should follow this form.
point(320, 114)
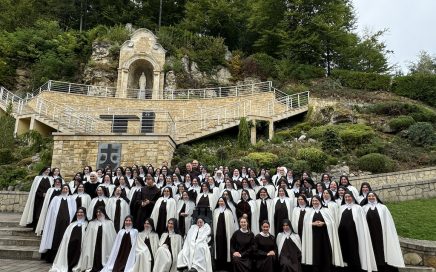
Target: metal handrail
point(7, 97)
point(169, 94)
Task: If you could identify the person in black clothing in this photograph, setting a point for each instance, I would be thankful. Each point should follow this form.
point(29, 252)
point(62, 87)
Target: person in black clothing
point(91, 186)
point(265, 249)
point(241, 247)
point(149, 195)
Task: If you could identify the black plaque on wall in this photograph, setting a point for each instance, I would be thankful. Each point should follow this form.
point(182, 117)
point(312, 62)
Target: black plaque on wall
point(108, 154)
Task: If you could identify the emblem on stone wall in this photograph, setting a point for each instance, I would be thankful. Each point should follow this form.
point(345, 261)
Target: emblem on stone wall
point(109, 154)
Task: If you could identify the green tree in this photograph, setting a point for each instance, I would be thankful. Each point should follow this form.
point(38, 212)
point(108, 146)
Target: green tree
point(366, 54)
point(264, 22)
point(7, 124)
point(219, 18)
point(316, 31)
point(50, 52)
point(426, 64)
point(243, 134)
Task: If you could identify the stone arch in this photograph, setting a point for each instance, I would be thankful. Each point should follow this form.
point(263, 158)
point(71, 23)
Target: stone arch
point(142, 53)
point(135, 69)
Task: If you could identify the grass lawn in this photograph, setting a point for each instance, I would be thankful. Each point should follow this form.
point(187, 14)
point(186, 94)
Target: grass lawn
point(415, 219)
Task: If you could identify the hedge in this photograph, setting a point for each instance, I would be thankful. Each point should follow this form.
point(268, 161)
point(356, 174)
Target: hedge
point(420, 87)
point(362, 80)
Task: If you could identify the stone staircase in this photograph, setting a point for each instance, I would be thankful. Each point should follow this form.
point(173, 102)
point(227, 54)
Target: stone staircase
point(17, 242)
point(255, 102)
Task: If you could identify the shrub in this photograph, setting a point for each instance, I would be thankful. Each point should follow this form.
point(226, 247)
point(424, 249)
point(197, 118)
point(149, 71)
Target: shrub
point(264, 159)
point(235, 163)
point(318, 132)
point(393, 108)
point(422, 134)
point(295, 131)
point(288, 70)
point(243, 134)
point(401, 122)
point(260, 65)
point(315, 157)
point(331, 141)
point(5, 156)
point(362, 80)
point(419, 113)
point(285, 160)
point(417, 86)
point(375, 146)
point(376, 163)
point(299, 166)
point(222, 154)
point(357, 134)
point(277, 139)
point(11, 175)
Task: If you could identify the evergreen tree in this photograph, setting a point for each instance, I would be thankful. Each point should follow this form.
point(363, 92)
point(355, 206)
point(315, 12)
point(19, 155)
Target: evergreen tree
point(243, 134)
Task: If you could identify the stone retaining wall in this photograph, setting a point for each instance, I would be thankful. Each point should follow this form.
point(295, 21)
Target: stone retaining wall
point(73, 152)
point(418, 252)
point(13, 201)
point(406, 191)
point(401, 177)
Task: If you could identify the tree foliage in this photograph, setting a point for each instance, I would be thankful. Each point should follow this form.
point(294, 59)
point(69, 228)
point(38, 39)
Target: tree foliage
point(284, 40)
point(7, 124)
point(244, 133)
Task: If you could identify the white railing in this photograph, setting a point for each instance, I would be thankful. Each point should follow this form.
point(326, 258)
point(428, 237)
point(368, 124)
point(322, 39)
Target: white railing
point(209, 118)
point(218, 92)
point(138, 121)
point(66, 117)
point(7, 97)
point(205, 119)
point(181, 94)
point(132, 121)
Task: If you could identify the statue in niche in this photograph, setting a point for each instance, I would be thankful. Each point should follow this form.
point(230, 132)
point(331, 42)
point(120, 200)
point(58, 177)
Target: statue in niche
point(142, 82)
point(142, 85)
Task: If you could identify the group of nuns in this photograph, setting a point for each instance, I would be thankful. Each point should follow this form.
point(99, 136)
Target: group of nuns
point(144, 219)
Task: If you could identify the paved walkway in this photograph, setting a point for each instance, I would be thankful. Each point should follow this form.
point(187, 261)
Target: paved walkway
point(23, 265)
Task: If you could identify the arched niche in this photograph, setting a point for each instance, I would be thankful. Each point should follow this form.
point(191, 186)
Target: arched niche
point(141, 54)
point(136, 69)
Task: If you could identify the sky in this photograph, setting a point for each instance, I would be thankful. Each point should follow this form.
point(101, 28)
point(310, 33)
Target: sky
point(411, 26)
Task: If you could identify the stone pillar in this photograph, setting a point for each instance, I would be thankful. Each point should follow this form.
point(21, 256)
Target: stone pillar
point(253, 133)
point(271, 129)
point(156, 81)
point(161, 84)
point(123, 76)
point(22, 125)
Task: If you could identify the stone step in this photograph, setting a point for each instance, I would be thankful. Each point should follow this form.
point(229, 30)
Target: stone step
point(9, 224)
point(417, 269)
point(17, 231)
point(19, 241)
point(20, 252)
